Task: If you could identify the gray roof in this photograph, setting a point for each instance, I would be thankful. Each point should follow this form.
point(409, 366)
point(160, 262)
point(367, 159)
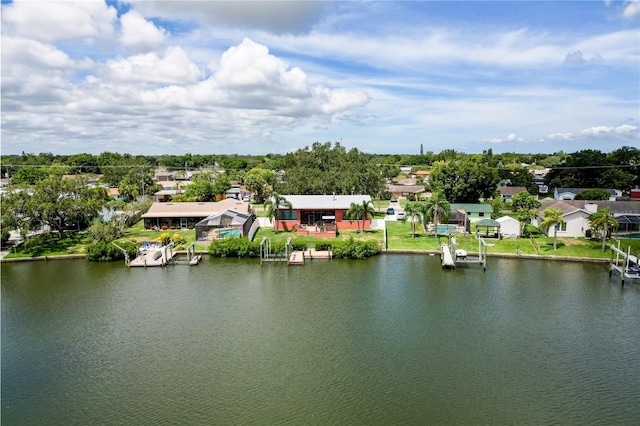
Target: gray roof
point(579, 190)
point(472, 207)
point(567, 206)
point(412, 189)
point(325, 202)
point(488, 223)
point(224, 219)
point(193, 209)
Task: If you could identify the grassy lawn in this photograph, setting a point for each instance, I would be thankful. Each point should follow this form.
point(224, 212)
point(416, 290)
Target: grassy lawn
point(343, 236)
point(138, 234)
point(50, 245)
point(398, 238)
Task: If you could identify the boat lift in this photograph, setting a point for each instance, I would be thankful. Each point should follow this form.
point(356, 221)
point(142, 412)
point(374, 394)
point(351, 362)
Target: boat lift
point(450, 256)
point(628, 266)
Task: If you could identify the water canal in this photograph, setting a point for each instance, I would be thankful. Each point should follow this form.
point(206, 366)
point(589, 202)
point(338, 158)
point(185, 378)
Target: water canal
point(390, 340)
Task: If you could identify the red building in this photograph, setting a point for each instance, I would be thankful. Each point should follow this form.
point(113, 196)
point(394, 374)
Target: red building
point(320, 215)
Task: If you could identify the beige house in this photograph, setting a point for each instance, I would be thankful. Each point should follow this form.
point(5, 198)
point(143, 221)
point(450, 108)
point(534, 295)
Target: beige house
point(186, 215)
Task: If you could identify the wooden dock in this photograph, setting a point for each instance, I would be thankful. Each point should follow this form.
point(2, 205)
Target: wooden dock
point(298, 257)
point(157, 257)
point(446, 258)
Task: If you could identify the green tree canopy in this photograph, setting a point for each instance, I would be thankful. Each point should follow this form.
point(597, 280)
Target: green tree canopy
point(601, 221)
point(464, 181)
point(552, 218)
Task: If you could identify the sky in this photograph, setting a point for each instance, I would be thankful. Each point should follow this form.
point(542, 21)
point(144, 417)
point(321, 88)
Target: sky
point(257, 77)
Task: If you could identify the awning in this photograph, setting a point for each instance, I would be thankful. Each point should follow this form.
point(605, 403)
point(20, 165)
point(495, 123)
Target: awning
point(328, 217)
point(489, 223)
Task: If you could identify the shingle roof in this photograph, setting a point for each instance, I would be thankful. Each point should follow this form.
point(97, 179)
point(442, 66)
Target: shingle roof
point(617, 207)
point(193, 209)
point(511, 190)
point(472, 207)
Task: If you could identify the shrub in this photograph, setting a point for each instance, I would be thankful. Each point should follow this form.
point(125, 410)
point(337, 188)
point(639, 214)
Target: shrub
point(353, 249)
point(178, 239)
point(107, 252)
point(164, 238)
point(323, 245)
point(234, 247)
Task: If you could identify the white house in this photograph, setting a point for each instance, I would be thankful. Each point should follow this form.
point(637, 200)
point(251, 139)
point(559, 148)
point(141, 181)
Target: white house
point(509, 227)
point(570, 193)
point(575, 218)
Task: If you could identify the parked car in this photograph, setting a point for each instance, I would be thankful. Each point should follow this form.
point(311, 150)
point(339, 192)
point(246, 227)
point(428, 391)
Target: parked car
point(394, 200)
point(400, 215)
point(246, 198)
point(390, 211)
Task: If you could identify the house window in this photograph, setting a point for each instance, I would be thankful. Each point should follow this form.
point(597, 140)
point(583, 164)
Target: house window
point(287, 215)
point(481, 214)
point(561, 227)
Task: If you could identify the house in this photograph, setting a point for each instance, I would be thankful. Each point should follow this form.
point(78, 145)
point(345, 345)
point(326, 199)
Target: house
point(224, 224)
point(635, 193)
point(509, 227)
point(627, 213)
point(507, 192)
point(412, 192)
point(163, 176)
point(186, 215)
point(570, 193)
point(320, 215)
point(474, 211)
point(423, 174)
point(575, 216)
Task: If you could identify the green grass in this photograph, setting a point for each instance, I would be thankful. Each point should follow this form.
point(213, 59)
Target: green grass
point(398, 238)
point(50, 245)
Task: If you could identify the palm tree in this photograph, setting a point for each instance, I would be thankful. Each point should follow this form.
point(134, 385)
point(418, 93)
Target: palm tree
point(367, 211)
point(275, 204)
point(601, 221)
point(413, 210)
point(438, 207)
point(552, 217)
point(355, 212)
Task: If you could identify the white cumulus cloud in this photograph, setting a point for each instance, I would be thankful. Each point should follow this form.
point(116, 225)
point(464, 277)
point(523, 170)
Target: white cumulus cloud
point(174, 68)
point(137, 32)
point(58, 20)
point(632, 9)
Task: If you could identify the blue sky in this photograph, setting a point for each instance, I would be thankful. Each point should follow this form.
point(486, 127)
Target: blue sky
point(256, 77)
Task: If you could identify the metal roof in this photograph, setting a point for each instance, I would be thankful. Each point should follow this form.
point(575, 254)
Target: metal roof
point(325, 202)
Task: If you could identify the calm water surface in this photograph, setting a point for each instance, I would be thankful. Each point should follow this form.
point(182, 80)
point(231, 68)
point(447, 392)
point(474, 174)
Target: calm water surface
point(390, 340)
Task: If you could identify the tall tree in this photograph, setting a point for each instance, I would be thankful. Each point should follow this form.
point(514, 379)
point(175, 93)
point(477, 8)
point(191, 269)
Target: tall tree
point(552, 218)
point(601, 221)
point(464, 180)
point(525, 206)
point(438, 207)
point(355, 212)
point(274, 205)
point(413, 210)
point(367, 211)
point(259, 181)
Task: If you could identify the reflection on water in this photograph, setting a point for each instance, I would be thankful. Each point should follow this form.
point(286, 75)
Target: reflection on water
point(393, 339)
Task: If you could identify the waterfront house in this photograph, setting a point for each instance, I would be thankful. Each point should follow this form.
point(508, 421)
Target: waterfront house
point(185, 215)
point(474, 211)
point(225, 224)
point(320, 215)
point(576, 214)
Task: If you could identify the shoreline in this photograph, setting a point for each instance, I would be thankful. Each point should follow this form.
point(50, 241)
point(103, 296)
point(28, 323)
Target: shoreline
point(388, 251)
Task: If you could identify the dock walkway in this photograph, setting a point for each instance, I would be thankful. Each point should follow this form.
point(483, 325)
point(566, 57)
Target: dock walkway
point(446, 258)
point(157, 257)
point(298, 257)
